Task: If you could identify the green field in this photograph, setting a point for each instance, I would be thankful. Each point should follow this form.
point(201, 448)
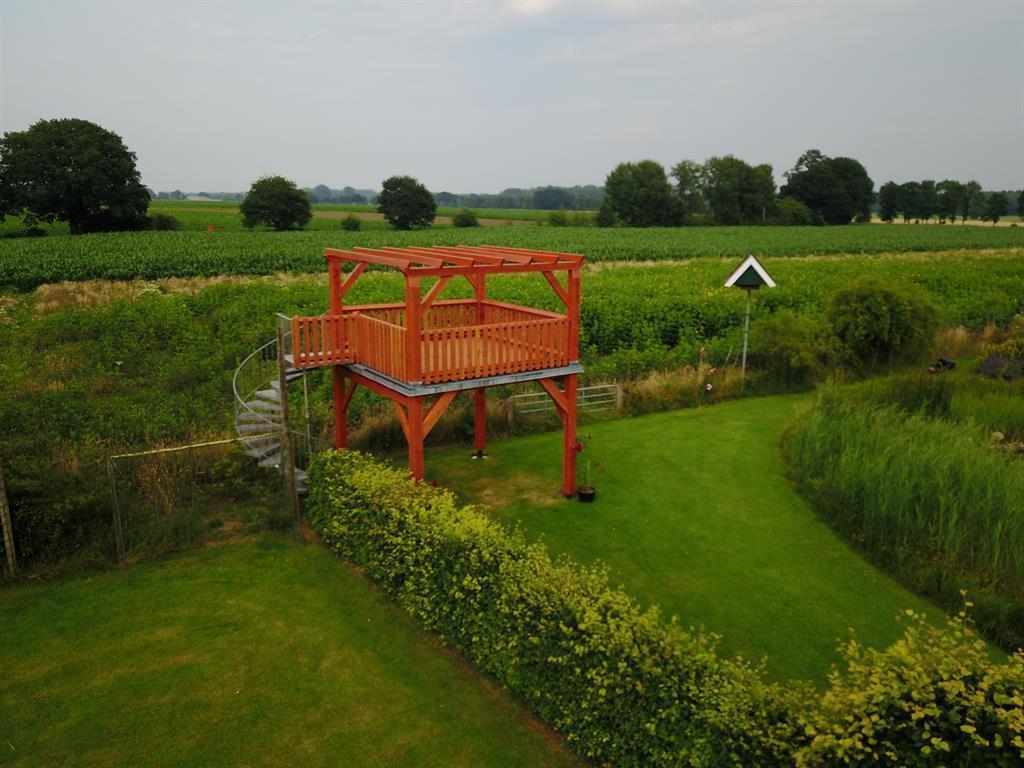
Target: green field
point(257, 653)
point(694, 514)
point(27, 262)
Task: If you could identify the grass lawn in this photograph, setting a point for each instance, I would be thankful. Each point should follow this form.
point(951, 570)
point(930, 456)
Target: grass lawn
point(258, 653)
point(694, 514)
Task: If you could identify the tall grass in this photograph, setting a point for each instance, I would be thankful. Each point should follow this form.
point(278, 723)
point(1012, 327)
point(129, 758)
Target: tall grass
point(931, 499)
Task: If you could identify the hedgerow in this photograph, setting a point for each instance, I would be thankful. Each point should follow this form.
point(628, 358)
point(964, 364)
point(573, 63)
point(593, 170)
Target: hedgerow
point(626, 688)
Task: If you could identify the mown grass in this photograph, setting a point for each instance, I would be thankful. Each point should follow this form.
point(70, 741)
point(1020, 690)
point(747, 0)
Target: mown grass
point(694, 514)
point(257, 653)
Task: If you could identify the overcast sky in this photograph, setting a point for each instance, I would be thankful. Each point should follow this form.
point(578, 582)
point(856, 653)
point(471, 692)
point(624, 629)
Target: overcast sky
point(477, 97)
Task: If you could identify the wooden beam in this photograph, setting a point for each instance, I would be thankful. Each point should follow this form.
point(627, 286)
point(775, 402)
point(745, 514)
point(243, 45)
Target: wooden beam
point(434, 291)
point(403, 419)
point(352, 277)
point(438, 408)
point(559, 289)
point(556, 394)
point(431, 261)
point(356, 258)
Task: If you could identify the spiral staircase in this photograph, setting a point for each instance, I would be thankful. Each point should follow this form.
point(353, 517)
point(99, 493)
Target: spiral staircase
point(259, 418)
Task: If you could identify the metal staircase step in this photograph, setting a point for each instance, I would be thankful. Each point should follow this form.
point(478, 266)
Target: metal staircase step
point(273, 394)
point(274, 460)
point(264, 405)
point(255, 427)
point(264, 451)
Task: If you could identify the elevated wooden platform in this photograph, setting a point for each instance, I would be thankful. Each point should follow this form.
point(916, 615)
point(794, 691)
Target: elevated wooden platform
point(425, 347)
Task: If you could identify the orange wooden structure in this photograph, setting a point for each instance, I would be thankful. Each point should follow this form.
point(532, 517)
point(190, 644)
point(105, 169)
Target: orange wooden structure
point(422, 352)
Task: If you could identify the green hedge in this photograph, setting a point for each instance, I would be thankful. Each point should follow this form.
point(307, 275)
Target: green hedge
point(622, 686)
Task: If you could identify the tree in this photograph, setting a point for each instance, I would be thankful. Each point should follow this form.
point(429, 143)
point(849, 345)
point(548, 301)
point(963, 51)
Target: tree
point(737, 192)
point(948, 198)
point(927, 201)
point(277, 202)
point(71, 170)
point(836, 188)
point(406, 203)
point(910, 200)
point(322, 194)
point(552, 198)
point(888, 201)
point(689, 176)
point(639, 194)
point(995, 207)
point(1020, 203)
point(969, 200)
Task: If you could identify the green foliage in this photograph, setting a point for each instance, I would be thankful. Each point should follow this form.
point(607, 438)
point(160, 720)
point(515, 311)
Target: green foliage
point(934, 698)
point(351, 223)
point(623, 687)
point(406, 203)
point(789, 212)
point(995, 207)
point(878, 324)
point(163, 222)
point(888, 201)
point(558, 219)
point(465, 218)
point(71, 170)
point(276, 202)
point(838, 189)
point(792, 349)
point(640, 196)
point(736, 192)
point(927, 497)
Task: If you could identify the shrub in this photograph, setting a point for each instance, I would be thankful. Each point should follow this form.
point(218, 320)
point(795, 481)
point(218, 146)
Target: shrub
point(465, 218)
point(879, 324)
point(997, 366)
point(164, 222)
point(557, 219)
point(933, 698)
point(792, 349)
point(790, 212)
point(351, 223)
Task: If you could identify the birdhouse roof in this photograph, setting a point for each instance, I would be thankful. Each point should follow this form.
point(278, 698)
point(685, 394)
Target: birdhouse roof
point(749, 274)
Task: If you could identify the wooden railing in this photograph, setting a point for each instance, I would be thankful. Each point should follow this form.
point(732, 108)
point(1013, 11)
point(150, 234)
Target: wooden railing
point(381, 346)
point(454, 344)
point(475, 351)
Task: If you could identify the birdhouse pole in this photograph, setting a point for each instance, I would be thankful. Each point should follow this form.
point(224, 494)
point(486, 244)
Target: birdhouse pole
point(749, 276)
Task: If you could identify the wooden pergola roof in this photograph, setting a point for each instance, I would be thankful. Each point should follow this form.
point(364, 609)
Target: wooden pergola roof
point(457, 260)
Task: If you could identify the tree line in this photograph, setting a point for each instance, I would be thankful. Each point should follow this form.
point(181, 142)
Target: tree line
point(944, 201)
point(728, 191)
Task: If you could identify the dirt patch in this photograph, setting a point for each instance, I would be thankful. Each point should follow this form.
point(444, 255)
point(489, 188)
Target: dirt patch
point(534, 490)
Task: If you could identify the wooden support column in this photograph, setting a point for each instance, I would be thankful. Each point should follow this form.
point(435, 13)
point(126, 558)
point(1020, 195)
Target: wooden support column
point(413, 334)
point(480, 421)
point(569, 437)
point(414, 416)
point(342, 397)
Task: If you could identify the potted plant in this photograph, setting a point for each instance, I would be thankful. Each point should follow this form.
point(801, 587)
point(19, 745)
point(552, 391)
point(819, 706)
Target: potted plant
point(586, 493)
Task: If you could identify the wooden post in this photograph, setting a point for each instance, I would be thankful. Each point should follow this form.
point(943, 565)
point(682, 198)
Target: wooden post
point(569, 437)
point(286, 429)
point(414, 411)
point(480, 422)
point(116, 502)
point(340, 408)
point(413, 333)
point(8, 530)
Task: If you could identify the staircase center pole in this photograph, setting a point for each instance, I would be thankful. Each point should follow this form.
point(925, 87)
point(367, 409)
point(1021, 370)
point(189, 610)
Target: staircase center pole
point(286, 429)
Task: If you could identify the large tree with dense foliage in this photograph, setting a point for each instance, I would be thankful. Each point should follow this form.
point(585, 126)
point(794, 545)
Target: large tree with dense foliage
point(639, 194)
point(836, 188)
point(276, 202)
point(71, 170)
point(406, 203)
point(689, 176)
point(737, 192)
point(995, 207)
point(969, 199)
point(888, 201)
point(947, 199)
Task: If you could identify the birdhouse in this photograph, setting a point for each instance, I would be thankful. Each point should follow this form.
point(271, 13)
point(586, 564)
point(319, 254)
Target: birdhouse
point(750, 275)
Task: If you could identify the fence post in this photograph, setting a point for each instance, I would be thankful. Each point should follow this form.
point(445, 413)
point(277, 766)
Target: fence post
point(286, 428)
point(8, 532)
point(116, 502)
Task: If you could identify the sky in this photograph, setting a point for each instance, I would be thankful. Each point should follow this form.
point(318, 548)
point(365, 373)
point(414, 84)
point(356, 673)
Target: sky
point(481, 96)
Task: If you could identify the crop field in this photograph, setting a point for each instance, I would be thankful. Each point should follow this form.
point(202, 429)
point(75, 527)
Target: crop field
point(28, 262)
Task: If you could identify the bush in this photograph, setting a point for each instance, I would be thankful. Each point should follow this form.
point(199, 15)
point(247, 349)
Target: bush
point(351, 223)
point(934, 698)
point(879, 324)
point(557, 219)
point(164, 222)
point(465, 218)
point(790, 212)
point(791, 349)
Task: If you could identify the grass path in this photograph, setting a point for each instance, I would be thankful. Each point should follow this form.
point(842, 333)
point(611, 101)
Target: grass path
point(694, 514)
point(263, 653)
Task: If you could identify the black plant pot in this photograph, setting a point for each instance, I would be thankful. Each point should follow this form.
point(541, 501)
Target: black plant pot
point(586, 493)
